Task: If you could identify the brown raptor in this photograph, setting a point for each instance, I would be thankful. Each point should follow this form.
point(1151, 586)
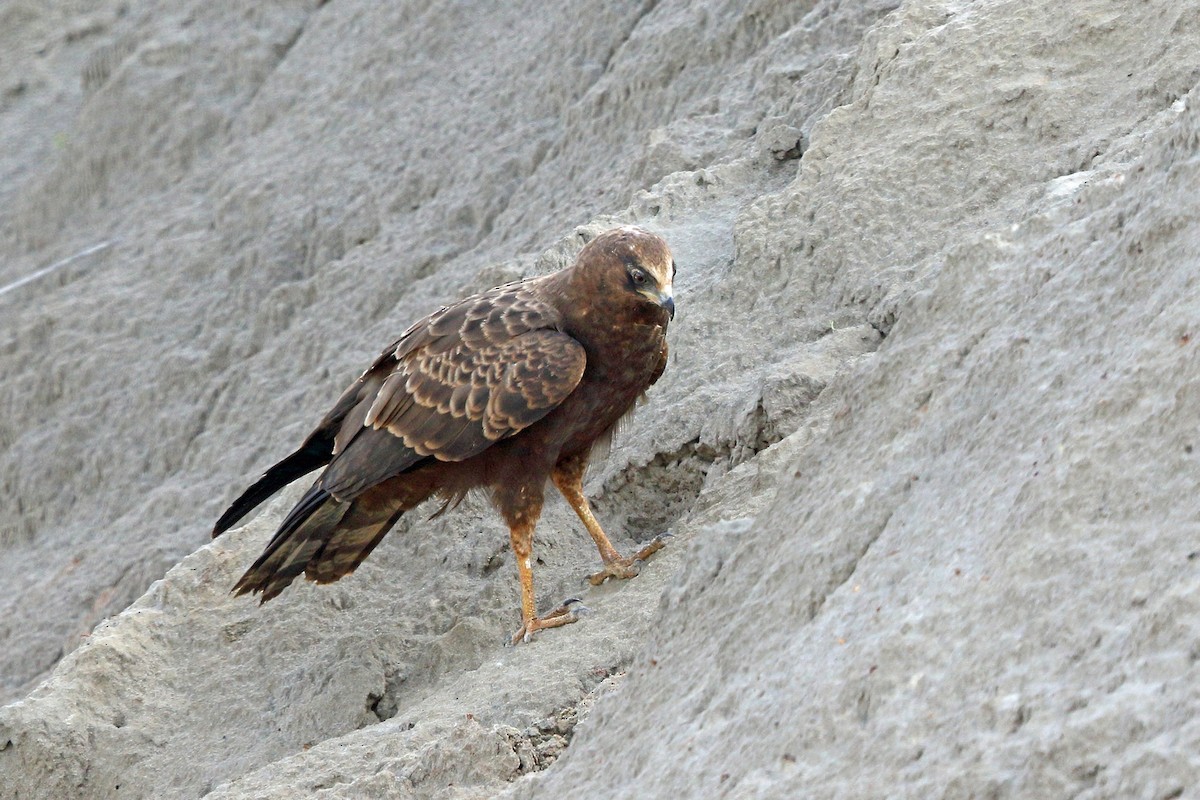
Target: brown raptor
point(498, 392)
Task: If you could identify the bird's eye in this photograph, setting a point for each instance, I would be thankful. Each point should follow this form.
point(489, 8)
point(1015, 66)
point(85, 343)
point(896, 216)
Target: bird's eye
point(672, 269)
point(638, 276)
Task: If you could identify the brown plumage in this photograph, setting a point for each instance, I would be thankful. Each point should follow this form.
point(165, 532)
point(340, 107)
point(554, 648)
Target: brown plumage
point(498, 392)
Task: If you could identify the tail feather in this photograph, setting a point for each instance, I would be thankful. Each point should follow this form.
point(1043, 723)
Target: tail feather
point(302, 533)
point(352, 542)
point(324, 538)
point(313, 454)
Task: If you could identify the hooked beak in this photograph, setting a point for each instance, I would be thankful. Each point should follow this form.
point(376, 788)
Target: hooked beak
point(660, 297)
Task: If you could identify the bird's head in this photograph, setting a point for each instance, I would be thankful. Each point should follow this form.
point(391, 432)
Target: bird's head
point(632, 264)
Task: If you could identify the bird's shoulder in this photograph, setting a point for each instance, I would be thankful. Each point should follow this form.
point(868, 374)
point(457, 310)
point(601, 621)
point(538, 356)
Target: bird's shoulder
point(469, 373)
point(491, 317)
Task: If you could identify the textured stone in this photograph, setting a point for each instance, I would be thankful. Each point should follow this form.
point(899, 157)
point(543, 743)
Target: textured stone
point(926, 442)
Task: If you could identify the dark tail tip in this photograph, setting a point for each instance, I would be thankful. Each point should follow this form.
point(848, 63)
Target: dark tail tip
point(290, 549)
point(313, 454)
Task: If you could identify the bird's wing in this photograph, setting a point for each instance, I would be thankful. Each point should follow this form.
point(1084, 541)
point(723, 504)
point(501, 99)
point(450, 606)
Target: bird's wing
point(317, 450)
point(454, 384)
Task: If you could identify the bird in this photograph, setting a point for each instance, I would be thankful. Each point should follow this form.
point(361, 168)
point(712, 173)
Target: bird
point(502, 393)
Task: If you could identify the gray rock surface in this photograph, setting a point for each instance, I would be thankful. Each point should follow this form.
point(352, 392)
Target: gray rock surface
point(928, 441)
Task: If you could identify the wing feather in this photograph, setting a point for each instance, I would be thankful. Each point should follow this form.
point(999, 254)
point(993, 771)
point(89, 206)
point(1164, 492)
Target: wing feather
point(466, 377)
point(387, 400)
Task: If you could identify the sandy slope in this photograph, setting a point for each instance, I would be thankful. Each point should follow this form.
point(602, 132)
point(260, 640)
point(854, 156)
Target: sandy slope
point(928, 440)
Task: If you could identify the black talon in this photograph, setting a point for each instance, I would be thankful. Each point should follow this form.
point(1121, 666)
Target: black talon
point(575, 606)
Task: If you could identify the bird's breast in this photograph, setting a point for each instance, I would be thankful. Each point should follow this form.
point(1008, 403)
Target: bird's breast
point(613, 381)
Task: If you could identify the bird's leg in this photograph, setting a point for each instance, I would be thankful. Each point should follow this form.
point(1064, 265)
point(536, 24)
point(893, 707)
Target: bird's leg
point(568, 477)
point(521, 522)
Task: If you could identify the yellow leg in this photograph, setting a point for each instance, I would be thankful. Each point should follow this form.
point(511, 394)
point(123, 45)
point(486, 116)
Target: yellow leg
point(568, 477)
point(520, 530)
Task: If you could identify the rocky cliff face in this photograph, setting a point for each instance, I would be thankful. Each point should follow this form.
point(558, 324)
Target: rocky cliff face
point(929, 441)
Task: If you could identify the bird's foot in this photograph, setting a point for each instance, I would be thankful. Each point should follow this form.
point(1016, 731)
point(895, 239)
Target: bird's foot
point(653, 546)
point(571, 610)
point(625, 568)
